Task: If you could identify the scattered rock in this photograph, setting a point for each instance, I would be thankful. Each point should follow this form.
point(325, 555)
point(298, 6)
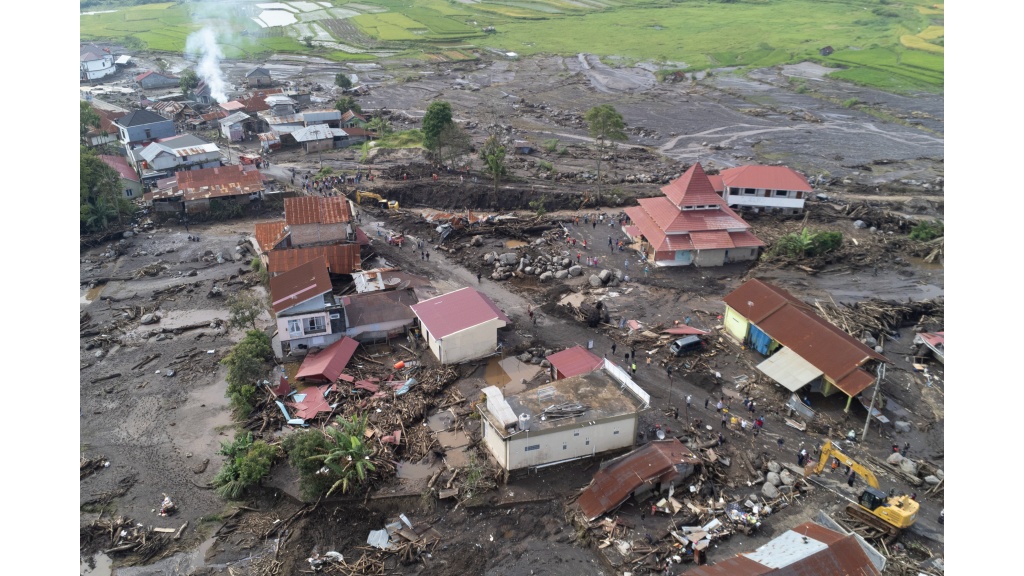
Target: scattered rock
point(860, 224)
point(773, 478)
point(128, 234)
point(576, 271)
point(895, 458)
point(149, 319)
point(546, 276)
point(477, 241)
point(933, 480)
point(901, 426)
point(769, 491)
point(787, 478)
point(909, 466)
point(561, 274)
point(595, 281)
point(774, 466)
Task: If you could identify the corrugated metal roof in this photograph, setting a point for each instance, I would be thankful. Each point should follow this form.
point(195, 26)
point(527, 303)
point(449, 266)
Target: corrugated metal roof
point(232, 105)
point(218, 182)
point(300, 284)
point(787, 368)
point(316, 210)
point(268, 234)
point(575, 361)
point(120, 164)
point(379, 307)
point(457, 311)
point(320, 115)
point(313, 133)
point(795, 325)
point(341, 258)
point(140, 118)
point(329, 363)
point(616, 481)
point(765, 177)
point(235, 118)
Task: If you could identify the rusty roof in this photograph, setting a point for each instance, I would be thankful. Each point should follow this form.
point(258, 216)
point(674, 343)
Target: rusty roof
point(795, 325)
point(457, 311)
point(575, 361)
point(215, 115)
point(341, 258)
point(379, 307)
point(329, 363)
point(218, 182)
point(693, 187)
point(653, 462)
point(299, 284)
point(268, 234)
point(316, 210)
point(765, 177)
point(807, 550)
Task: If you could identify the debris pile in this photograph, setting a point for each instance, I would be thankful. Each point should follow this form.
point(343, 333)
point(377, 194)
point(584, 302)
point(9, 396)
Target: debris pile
point(124, 537)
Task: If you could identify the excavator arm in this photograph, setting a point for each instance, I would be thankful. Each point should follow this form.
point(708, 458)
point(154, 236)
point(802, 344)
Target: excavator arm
point(829, 451)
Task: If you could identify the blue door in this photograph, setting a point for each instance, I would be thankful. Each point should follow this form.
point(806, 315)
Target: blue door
point(759, 340)
point(684, 256)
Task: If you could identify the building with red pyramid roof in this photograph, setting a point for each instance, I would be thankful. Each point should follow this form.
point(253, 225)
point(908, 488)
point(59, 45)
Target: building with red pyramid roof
point(691, 224)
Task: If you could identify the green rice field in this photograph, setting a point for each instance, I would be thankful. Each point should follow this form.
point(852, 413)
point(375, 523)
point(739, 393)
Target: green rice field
point(883, 43)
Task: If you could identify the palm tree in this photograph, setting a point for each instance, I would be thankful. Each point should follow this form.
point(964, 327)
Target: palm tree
point(349, 458)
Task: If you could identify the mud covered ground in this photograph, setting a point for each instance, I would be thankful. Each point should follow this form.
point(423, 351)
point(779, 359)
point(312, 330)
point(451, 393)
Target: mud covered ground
point(157, 431)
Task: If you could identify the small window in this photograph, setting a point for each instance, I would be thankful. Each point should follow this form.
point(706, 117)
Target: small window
point(128, 192)
point(782, 193)
point(149, 134)
point(575, 433)
point(294, 328)
point(534, 447)
point(588, 440)
point(615, 432)
point(734, 191)
point(749, 191)
point(565, 446)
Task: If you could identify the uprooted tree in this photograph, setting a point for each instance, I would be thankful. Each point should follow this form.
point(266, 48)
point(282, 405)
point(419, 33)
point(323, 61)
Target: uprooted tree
point(807, 244)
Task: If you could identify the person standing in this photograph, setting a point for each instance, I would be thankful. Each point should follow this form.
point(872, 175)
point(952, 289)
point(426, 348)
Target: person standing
point(634, 368)
point(850, 479)
point(781, 441)
point(675, 412)
point(688, 397)
point(835, 465)
point(706, 402)
point(613, 347)
point(906, 448)
point(718, 407)
point(800, 458)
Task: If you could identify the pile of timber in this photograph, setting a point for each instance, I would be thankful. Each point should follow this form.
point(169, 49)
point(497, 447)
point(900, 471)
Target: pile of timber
point(879, 316)
point(124, 537)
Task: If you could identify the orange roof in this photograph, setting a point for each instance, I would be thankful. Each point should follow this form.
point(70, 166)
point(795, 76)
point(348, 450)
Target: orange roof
point(765, 177)
point(693, 187)
point(268, 234)
point(218, 182)
point(329, 363)
point(341, 258)
point(300, 284)
point(794, 324)
point(316, 210)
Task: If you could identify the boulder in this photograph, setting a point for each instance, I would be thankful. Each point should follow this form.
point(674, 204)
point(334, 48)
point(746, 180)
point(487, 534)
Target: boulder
point(909, 466)
point(536, 360)
point(477, 241)
point(128, 234)
point(604, 275)
point(528, 270)
point(509, 258)
point(613, 282)
point(618, 275)
point(561, 274)
point(489, 258)
point(595, 280)
point(901, 426)
point(895, 458)
point(546, 276)
point(869, 340)
point(149, 319)
point(773, 478)
point(576, 270)
point(545, 364)
point(860, 224)
point(939, 473)
point(524, 357)
point(787, 478)
point(785, 489)
point(932, 480)
point(769, 491)
point(774, 466)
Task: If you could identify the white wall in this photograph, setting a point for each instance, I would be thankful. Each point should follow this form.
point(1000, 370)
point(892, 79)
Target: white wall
point(559, 444)
point(469, 344)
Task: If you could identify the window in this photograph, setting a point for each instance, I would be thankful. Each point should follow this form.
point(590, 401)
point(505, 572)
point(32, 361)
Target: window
point(128, 192)
point(782, 193)
point(749, 191)
point(588, 440)
point(531, 448)
point(293, 328)
point(314, 324)
point(799, 194)
point(149, 134)
point(734, 191)
point(575, 433)
point(615, 432)
point(565, 446)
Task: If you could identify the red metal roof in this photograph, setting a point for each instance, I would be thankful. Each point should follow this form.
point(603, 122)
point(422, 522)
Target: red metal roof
point(693, 187)
point(329, 363)
point(711, 240)
point(795, 325)
point(935, 339)
point(120, 163)
point(457, 311)
point(765, 177)
point(218, 182)
point(575, 361)
point(316, 210)
point(296, 286)
point(341, 258)
point(268, 234)
point(314, 402)
point(615, 482)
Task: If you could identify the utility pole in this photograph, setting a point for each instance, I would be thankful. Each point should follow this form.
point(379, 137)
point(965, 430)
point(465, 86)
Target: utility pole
point(878, 384)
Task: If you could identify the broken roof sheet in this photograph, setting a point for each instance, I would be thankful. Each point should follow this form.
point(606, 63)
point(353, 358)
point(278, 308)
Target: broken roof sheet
point(296, 286)
point(457, 311)
point(268, 234)
point(379, 307)
point(329, 363)
point(575, 361)
point(341, 258)
point(313, 403)
point(685, 331)
point(316, 210)
point(219, 181)
point(616, 481)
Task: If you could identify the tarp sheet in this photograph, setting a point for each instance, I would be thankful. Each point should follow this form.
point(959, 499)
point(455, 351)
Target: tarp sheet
point(789, 369)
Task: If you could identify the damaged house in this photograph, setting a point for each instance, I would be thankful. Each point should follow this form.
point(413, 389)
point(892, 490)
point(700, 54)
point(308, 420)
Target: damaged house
point(313, 227)
point(198, 190)
point(461, 325)
point(305, 309)
point(691, 225)
point(777, 189)
point(803, 349)
point(161, 159)
point(568, 419)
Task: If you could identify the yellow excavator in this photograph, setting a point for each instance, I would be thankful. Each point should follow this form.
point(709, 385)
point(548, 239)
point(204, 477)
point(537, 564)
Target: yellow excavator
point(874, 507)
point(379, 200)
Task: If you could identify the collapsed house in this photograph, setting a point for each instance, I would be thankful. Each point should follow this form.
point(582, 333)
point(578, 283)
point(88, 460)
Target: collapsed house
point(568, 419)
point(803, 349)
point(652, 469)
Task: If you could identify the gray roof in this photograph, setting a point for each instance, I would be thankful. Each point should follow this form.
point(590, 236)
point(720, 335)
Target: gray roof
point(235, 118)
point(313, 133)
point(258, 71)
point(140, 118)
point(184, 140)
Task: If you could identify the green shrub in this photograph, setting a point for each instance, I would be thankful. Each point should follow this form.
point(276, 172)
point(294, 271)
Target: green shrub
point(246, 363)
point(807, 244)
point(546, 165)
point(850, 103)
point(551, 145)
point(247, 464)
point(301, 447)
point(925, 231)
point(538, 205)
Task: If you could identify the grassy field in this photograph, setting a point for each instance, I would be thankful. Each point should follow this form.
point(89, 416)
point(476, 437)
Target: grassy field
point(884, 43)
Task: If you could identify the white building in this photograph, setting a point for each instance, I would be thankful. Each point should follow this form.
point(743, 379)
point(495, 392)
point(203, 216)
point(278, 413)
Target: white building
point(95, 63)
point(461, 325)
point(306, 310)
point(169, 155)
point(757, 188)
point(568, 419)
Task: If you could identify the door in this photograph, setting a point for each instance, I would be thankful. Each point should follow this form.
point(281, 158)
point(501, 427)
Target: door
point(684, 257)
point(759, 340)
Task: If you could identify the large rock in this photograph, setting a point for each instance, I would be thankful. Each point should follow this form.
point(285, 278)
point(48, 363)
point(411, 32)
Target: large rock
point(528, 270)
point(576, 271)
point(901, 426)
point(860, 224)
point(895, 458)
point(909, 466)
point(524, 357)
point(489, 258)
point(561, 274)
point(769, 491)
point(932, 480)
point(787, 478)
point(149, 319)
point(546, 276)
point(939, 473)
point(774, 466)
point(477, 241)
point(773, 478)
point(509, 258)
point(604, 275)
point(619, 275)
point(613, 282)
point(595, 280)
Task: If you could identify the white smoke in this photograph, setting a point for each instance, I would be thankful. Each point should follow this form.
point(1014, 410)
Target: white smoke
point(203, 46)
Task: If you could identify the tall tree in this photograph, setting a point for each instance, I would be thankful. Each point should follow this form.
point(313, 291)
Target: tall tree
point(452, 144)
point(88, 118)
point(346, 103)
point(439, 115)
point(493, 155)
point(380, 126)
point(101, 202)
point(605, 124)
point(188, 81)
point(341, 79)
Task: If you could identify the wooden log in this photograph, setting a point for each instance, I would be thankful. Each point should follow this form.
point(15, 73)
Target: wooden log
point(107, 377)
point(177, 534)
